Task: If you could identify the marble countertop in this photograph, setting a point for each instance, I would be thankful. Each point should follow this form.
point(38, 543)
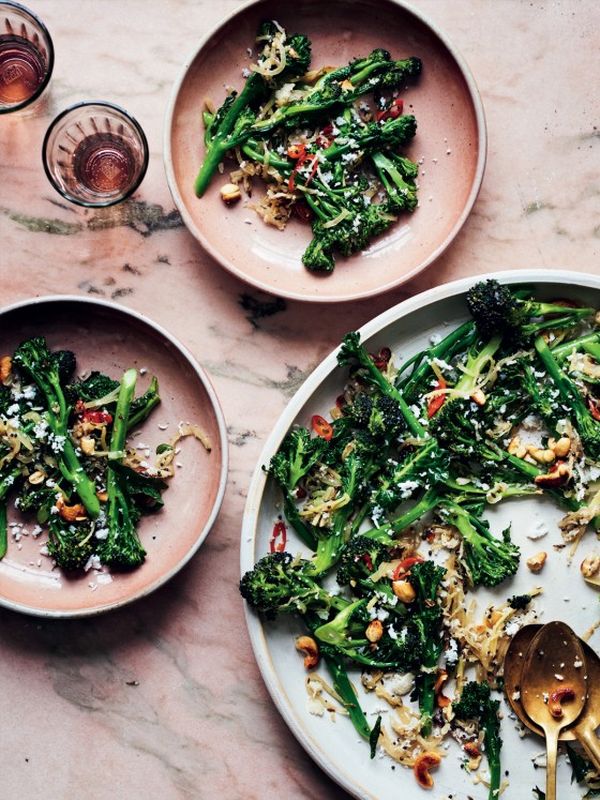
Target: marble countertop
point(163, 699)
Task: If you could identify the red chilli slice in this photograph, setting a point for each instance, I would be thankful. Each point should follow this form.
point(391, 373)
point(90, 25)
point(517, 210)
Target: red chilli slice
point(321, 427)
point(279, 532)
point(436, 402)
point(404, 567)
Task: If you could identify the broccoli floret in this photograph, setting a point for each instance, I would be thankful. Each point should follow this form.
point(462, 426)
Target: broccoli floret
point(497, 309)
point(95, 391)
point(360, 558)
point(281, 584)
point(297, 455)
point(70, 544)
point(519, 601)
point(398, 175)
point(34, 359)
point(66, 364)
point(476, 704)
point(487, 560)
point(379, 415)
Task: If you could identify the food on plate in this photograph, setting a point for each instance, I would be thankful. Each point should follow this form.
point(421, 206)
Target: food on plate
point(390, 496)
point(66, 457)
point(325, 141)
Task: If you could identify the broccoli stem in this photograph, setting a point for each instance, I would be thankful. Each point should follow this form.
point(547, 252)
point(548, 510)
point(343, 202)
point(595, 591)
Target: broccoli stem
point(459, 339)
point(72, 471)
point(222, 141)
point(562, 351)
point(344, 688)
point(382, 534)
point(121, 421)
point(150, 399)
point(293, 517)
point(588, 428)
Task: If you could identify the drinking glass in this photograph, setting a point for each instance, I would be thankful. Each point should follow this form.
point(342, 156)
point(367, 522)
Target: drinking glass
point(26, 57)
point(95, 154)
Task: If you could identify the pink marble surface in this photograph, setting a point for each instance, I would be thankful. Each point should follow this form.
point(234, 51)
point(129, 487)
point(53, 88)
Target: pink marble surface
point(163, 699)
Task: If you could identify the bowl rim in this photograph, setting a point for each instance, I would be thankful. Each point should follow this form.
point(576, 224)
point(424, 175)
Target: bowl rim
point(256, 629)
point(347, 296)
point(223, 472)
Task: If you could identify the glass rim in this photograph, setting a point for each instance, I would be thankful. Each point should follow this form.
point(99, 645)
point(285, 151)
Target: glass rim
point(136, 183)
point(23, 104)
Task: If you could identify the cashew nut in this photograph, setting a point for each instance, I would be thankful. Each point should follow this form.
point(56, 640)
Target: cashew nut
point(515, 448)
point(74, 513)
point(590, 565)
point(536, 562)
point(563, 695)
point(541, 455)
point(478, 397)
point(308, 646)
point(425, 762)
point(37, 477)
point(562, 447)
point(87, 444)
point(374, 631)
point(404, 591)
point(230, 193)
point(5, 368)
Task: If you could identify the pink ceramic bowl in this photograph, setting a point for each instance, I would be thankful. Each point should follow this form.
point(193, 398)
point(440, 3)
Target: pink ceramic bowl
point(108, 338)
point(451, 141)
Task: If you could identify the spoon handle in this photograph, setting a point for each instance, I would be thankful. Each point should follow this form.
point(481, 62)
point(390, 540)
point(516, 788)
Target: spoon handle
point(587, 736)
point(551, 749)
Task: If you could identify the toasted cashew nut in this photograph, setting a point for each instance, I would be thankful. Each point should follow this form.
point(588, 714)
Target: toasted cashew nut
point(515, 448)
point(563, 695)
point(230, 193)
point(536, 562)
point(308, 646)
point(542, 456)
point(87, 444)
point(374, 631)
point(75, 513)
point(478, 397)
point(5, 368)
point(562, 447)
point(404, 591)
point(37, 477)
point(423, 764)
point(590, 565)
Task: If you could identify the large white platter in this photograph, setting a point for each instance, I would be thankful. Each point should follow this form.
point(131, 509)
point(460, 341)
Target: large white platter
point(406, 328)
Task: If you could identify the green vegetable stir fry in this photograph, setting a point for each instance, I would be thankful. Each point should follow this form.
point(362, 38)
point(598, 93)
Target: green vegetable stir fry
point(326, 142)
point(64, 458)
point(391, 495)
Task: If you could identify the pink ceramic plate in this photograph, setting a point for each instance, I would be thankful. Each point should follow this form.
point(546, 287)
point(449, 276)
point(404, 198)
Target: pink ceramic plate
point(111, 339)
point(451, 140)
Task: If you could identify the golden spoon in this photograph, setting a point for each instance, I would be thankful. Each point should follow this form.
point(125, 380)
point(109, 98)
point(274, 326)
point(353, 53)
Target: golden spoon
point(554, 688)
point(584, 730)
